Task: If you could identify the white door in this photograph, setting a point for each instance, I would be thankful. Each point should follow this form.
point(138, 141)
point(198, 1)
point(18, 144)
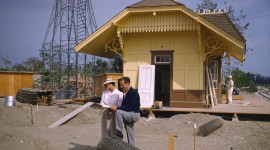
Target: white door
point(146, 85)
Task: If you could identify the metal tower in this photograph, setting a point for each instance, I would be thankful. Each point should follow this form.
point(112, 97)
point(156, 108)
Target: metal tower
point(67, 73)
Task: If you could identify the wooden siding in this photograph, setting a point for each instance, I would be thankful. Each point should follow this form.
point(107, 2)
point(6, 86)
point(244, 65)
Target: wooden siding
point(162, 21)
point(99, 80)
point(11, 82)
point(187, 66)
point(187, 98)
point(187, 95)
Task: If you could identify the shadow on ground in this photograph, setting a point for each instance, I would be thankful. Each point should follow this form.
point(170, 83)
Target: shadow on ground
point(81, 147)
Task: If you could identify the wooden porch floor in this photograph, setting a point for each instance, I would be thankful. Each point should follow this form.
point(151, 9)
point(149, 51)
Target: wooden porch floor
point(242, 104)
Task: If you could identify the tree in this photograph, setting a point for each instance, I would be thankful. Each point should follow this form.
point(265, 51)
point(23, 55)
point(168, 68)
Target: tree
point(100, 67)
point(207, 4)
point(7, 63)
point(244, 80)
point(31, 64)
point(237, 19)
point(19, 67)
point(117, 64)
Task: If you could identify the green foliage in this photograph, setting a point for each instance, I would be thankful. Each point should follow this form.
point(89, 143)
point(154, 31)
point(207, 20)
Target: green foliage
point(19, 67)
point(117, 64)
point(236, 20)
point(259, 79)
point(7, 63)
point(207, 4)
point(100, 67)
point(243, 81)
point(31, 64)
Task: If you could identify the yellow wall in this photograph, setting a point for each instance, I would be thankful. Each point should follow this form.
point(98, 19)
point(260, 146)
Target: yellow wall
point(187, 67)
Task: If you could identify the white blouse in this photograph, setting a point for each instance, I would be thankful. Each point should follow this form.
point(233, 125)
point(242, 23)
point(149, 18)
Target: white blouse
point(112, 98)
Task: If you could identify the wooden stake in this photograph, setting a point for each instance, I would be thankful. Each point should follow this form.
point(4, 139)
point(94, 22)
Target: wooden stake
point(32, 120)
point(195, 136)
point(171, 142)
point(37, 106)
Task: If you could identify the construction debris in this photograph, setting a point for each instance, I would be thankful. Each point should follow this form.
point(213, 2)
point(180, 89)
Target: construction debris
point(34, 96)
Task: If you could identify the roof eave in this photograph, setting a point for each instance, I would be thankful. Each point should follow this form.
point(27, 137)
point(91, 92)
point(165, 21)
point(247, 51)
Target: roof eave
point(212, 27)
point(111, 23)
point(102, 30)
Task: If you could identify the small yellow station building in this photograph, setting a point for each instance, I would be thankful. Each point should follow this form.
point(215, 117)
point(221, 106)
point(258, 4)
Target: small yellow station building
point(179, 43)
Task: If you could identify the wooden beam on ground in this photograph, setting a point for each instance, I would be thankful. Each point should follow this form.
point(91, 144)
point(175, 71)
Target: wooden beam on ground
point(70, 115)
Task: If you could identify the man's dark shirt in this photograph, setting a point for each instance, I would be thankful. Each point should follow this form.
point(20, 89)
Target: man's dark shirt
point(131, 101)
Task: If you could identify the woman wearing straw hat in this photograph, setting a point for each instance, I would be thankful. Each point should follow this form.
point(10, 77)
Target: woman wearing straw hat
point(111, 96)
point(229, 92)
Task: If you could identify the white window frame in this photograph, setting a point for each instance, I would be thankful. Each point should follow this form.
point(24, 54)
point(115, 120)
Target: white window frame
point(162, 62)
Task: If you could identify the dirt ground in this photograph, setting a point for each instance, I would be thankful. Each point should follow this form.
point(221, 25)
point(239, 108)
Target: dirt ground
point(83, 131)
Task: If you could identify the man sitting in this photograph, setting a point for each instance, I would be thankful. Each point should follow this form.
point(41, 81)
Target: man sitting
point(129, 112)
point(111, 96)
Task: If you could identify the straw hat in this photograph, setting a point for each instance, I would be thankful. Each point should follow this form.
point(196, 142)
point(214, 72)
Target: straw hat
point(230, 76)
point(108, 80)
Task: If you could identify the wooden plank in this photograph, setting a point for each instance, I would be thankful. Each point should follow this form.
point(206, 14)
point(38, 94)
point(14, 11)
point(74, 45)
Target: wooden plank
point(207, 93)
point(213, 87)
point(209, 87)
point(70, 115)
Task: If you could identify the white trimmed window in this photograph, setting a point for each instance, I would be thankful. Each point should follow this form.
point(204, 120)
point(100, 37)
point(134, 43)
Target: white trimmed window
point(162, 59)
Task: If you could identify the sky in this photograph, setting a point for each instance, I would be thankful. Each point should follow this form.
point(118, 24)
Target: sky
point(23, 25)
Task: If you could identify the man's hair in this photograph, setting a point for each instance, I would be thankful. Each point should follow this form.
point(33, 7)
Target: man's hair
point(125, 79)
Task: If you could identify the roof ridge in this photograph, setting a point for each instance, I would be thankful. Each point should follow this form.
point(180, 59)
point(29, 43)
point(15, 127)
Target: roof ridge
point(154, 3)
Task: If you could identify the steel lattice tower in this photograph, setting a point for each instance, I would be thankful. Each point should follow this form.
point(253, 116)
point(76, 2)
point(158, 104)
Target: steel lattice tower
point(66, 72)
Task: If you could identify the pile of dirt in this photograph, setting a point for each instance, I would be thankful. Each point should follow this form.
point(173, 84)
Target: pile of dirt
point(83, 132)
point(43, 116)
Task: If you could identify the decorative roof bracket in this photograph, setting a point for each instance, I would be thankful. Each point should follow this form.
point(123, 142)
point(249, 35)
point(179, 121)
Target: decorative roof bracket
point(115, 46)
point(214, 48)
